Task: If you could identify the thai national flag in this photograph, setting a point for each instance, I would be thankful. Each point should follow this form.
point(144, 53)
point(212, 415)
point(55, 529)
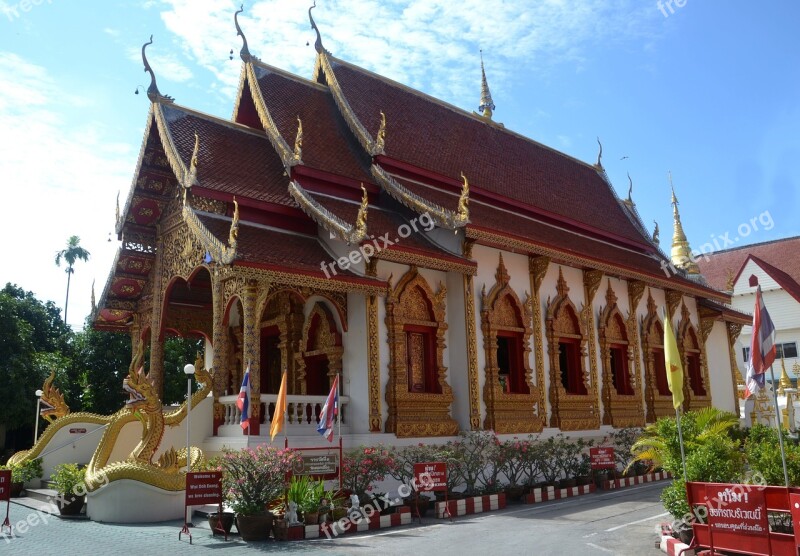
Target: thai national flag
point(243, 403)
point(327, 418)
point(762, 346)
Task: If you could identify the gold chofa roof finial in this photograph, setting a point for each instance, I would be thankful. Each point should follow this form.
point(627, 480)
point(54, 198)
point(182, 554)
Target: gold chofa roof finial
point(487, 105)
point(317, 43)
point(244, 53)
point(630, 189)
point(380, 139)
point(681, 253)
point(152, 91)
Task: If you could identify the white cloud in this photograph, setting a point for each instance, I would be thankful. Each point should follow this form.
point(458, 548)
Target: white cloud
point(427, 44)
point(60, 174)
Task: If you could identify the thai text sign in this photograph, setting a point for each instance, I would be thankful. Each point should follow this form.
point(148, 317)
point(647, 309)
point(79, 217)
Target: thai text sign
point(5, 485)
point(431, 477)
point(203, 487)
point(325, 464)
point(602, 458)
point(734, 512)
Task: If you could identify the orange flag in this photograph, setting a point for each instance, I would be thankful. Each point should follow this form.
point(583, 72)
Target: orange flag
point(279, 416)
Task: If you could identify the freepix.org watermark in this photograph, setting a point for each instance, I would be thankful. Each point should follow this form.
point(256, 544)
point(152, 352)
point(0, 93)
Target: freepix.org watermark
point(667, 7)
point(15, 11)
point(719, 242)
point(369, 249)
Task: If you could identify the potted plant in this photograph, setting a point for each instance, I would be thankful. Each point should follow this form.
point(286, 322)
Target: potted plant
point(252, 480)
point(307, 494)
point(363, 467)
point(24, 472)
point(573, 459)
point(68, 480)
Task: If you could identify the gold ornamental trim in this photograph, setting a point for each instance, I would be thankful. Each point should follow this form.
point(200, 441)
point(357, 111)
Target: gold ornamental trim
point(342, 230)
point(364, 137)
point(425, 261)
point(220, 253)
point(374, 365)
point(513, 244)
point(280, 278)
point(441, 216)
point(288, 155)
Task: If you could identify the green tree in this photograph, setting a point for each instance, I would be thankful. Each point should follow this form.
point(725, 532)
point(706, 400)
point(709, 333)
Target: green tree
point(100, 361)
point(73, 253)
point(177, 353)
point(33, 341)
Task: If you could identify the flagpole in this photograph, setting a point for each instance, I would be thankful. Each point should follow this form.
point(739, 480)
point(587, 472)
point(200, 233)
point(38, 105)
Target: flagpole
point(778, 426)
point(680, 441)
point(286, 414)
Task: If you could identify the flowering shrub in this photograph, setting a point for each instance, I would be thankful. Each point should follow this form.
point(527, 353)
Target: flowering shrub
point(405, 458)
point(365, 466)
point(514, 458)
point(253, 478)
point(469, 456)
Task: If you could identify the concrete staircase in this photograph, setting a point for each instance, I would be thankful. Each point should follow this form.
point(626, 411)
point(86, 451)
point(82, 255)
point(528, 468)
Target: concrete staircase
point(44, 500)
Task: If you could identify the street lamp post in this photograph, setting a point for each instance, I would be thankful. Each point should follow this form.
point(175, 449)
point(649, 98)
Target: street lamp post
point(36, 422)
point(189, 370)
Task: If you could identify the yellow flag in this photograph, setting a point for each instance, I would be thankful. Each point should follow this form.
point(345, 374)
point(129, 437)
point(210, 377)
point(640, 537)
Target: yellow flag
point(280, 410)
point(672, 360)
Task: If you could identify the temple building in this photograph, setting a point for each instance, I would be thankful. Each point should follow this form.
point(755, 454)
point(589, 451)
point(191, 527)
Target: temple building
point(457, 275)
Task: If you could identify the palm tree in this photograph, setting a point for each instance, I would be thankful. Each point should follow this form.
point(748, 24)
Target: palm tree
point(71, 255)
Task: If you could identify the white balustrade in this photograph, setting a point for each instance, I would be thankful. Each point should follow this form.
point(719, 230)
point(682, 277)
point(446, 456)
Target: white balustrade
point(302, 411)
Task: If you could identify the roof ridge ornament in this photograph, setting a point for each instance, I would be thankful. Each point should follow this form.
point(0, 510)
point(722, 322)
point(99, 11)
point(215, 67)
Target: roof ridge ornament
point(244, 53)
point(487, 105)
point(630, 189)
point(298, 142)
point(152, 91)
point(361, 217)
point(599, 163)
point(350, 234)
point(190, 175)
point(317, 43)
point(380, 139)
point(463, 201)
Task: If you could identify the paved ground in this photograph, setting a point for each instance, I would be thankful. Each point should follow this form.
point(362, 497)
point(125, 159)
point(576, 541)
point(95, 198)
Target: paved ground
point(618, 522)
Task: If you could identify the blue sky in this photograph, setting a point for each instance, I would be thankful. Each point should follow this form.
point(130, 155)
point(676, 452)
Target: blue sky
point(710, 92)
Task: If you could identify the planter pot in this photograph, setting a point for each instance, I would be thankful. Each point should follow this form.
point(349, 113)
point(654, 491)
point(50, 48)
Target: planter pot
point(254, 527)
point(584, 480)
point(16, 489)
point(568, 483)
point(686, 535)
point(73, 506)
point(226, 522)
point(338, 513)
point(515, 493)
point(311, 518)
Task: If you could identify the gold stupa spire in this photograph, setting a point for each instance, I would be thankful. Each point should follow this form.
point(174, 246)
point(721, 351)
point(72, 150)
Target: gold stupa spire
point(681, 252)
point(785, 382)
point(487, 105)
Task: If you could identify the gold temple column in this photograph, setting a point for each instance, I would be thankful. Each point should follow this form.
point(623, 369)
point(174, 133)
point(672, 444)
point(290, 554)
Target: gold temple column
point(156, 341)
point(537, 268)
point(591, 281)
point(373, 355)
point(251, 351)
point(734, 329)
point(472, 344)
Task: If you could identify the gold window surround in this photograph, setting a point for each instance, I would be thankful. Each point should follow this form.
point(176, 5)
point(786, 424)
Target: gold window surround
point(411, 414)
point(569, 411)
point(502, 311)
point(619, 410)
point(657, 405)
point(692, 343)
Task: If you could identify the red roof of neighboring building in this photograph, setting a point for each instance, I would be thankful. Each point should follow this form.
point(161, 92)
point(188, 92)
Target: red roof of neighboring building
point(783, 254)
point(434, 136)
point(785, 281)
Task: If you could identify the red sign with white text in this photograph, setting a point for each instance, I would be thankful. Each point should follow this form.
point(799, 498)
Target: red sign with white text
point(203, 487)
point(5, 485)
point(602, 458)
point(431, 477)
point(737, 517)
